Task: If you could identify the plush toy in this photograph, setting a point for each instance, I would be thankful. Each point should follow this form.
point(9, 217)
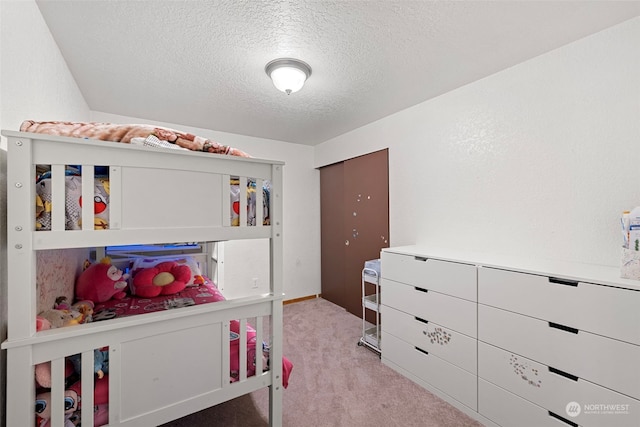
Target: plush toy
point(100, 282)
point(61, 303)
point(43, 373)
point(73, 403)
point(165, 278)
point(58, 318)
point(85, 308)
point(43, 407)
point(42, 324)
point(100, 362)
point(50, 319)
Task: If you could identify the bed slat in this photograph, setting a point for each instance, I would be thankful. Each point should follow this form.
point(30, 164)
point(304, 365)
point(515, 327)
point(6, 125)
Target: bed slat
point(115, 198)
point(243, 350)
point(226, 201)
point(225, 346)
point(115, 382)
point(259, 203)
point(58, 197)
point(56, 402)
point(259, 339)
point(243, 202)
point(88, 193)
point(87, 388)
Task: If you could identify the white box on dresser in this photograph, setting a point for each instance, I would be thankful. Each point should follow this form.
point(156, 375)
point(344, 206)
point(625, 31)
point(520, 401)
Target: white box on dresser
point(544, 343)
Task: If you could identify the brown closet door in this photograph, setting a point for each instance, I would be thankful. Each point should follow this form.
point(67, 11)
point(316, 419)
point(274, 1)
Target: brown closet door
point(332, 249)
point(354, 204)
point(366, 219)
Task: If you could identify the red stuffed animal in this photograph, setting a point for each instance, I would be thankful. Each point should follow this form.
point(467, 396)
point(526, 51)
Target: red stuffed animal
point(100, 282)
point(165, 278)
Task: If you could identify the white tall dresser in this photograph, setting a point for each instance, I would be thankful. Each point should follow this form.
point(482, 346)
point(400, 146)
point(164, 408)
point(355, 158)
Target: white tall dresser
point(514, 342)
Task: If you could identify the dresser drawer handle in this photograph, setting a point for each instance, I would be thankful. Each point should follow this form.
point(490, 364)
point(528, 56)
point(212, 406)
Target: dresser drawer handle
point(563, 327)
point(563, 419)
point(421, 350)
point(563, 374)
point(420, 258)
point(421, 320)
point(563, 281)
point(420, 289)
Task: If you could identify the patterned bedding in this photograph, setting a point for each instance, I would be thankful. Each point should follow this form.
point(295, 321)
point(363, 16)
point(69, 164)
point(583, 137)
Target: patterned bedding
point(125, 133)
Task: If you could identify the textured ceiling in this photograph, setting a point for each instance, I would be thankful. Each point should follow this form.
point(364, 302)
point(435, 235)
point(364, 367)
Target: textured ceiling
point(201, 63)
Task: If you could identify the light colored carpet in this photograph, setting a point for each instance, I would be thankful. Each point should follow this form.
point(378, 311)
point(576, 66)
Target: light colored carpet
point(334, 382)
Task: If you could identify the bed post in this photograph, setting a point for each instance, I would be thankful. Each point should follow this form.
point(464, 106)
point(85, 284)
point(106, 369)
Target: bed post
point(21, 277)
point(3, 283)
point(275, 391)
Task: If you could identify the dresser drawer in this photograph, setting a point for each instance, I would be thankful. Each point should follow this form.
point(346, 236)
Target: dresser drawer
point(508, 410)
point(446, 277)
point(603, 361)
point(603, 310)
point(456, 382)
point(455, 313)
point(438, 340)
point(553, 389)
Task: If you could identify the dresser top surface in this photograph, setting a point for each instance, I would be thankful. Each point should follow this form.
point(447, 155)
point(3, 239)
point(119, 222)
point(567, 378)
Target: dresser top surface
point(590, 273)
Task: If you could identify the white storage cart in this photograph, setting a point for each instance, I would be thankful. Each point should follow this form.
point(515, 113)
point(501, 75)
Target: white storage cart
point(371, 332)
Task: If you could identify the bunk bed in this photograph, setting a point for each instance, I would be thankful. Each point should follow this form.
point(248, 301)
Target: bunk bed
point(163, 364)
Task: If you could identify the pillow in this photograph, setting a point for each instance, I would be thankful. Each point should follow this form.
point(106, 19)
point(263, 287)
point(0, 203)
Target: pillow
point(196, 274)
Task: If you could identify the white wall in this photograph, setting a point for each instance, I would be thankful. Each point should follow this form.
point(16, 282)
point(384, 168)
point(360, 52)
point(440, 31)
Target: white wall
point(537, 160)
point(35, 83)
point(245, 260)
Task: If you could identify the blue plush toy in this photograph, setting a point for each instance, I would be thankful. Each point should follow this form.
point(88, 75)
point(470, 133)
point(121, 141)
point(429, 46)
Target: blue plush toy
point(100, 362)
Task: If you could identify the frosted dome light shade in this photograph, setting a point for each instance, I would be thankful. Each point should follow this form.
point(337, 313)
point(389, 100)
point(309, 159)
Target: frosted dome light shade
point(288, 75)
point(287, 79)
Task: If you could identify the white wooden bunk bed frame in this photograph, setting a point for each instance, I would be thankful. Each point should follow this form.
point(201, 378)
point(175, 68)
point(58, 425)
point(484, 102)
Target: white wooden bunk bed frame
point(141, 391)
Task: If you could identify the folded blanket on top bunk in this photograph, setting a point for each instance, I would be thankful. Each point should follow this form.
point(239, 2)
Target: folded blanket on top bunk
point(125, 133)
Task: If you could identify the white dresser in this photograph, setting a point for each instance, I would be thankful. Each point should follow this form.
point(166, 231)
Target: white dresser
point(515, 342)
point(430, 322)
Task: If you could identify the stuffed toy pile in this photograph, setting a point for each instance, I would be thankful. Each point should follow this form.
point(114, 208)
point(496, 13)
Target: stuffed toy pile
point(98, 283)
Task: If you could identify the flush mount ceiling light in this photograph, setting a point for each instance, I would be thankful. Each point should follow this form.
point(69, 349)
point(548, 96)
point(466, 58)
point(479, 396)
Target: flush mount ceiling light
point(288, 74)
